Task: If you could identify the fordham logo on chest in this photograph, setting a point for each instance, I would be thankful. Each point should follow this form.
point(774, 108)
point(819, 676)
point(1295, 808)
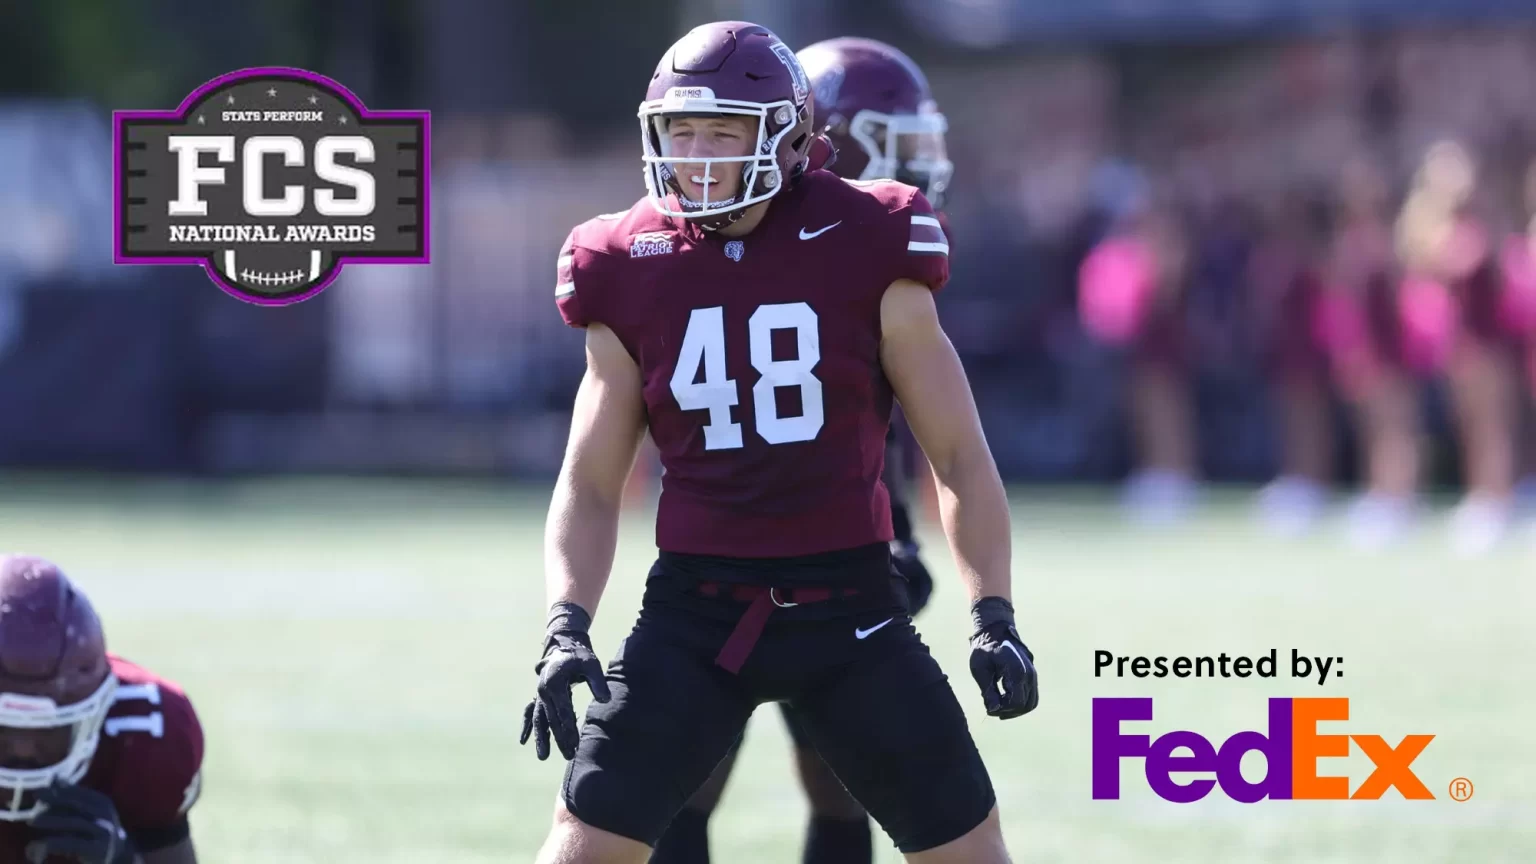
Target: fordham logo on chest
point(650, 243)
point(734, 249)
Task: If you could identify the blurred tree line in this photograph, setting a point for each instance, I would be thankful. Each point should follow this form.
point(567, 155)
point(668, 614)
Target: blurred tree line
point(581, 60)
point(585, 62)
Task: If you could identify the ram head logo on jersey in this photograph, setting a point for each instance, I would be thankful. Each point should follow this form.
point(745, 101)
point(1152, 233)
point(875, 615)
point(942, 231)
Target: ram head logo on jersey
point(272, 179)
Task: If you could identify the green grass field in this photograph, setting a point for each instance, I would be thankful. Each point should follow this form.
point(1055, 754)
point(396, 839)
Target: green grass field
point(360, 653)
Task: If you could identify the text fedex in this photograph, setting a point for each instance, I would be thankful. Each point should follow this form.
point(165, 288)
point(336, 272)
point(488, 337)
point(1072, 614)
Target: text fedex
point(1291, 747)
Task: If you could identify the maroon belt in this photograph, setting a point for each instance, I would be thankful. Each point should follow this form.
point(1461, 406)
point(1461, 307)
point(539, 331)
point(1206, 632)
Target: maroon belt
point(761, 602)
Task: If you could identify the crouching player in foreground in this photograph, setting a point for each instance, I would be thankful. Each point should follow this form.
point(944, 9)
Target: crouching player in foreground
point(100, 759)
point(873, 104)
point(758, 318)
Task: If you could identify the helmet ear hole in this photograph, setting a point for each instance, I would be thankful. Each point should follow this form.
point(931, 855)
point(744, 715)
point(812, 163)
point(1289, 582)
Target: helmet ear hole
point(798, 142)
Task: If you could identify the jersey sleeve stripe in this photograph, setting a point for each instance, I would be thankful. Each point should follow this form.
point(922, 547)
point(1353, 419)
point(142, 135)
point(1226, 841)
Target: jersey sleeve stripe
point(925, 233)
point(928, 248)
point(919, 219)
point(565, 275)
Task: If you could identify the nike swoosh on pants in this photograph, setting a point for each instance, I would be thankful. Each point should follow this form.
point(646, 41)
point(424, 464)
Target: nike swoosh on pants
point(864, 634)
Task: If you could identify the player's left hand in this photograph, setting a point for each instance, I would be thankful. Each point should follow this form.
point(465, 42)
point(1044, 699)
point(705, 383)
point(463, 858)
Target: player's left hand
point(919, 582)
point(79, 825)
point(999, 656)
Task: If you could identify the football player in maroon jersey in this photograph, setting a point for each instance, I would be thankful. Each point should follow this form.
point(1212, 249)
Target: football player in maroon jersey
point(100, 759)
point(874, 104)
point(759, 319)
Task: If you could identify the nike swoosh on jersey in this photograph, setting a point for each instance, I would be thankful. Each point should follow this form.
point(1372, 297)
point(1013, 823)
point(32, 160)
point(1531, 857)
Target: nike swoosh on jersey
point(805, 236)
point(864, 634)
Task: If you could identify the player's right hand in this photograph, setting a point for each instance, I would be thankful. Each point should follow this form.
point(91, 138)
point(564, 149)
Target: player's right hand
point(80, 825)
point(568, 659)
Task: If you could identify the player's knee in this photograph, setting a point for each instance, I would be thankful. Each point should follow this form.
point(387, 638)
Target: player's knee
point(572, 841)
point(825, 793)
point(980, 845)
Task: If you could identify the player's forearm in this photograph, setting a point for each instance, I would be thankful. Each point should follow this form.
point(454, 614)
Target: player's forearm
point(973, 507)
point(579, 542)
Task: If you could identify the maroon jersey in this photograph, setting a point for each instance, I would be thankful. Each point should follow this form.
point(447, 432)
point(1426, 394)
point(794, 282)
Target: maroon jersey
point(760, 358)
point(149, 761)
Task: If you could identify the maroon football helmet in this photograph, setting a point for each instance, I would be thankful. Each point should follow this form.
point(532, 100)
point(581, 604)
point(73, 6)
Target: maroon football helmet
point(728, 68)
point(56, 683)
point(874, 103)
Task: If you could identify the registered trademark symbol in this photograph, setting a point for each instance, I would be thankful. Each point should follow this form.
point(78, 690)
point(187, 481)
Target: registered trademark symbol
point(1461, 789)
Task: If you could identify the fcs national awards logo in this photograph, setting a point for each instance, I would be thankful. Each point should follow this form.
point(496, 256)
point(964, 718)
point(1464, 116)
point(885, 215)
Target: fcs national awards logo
point(272, 179)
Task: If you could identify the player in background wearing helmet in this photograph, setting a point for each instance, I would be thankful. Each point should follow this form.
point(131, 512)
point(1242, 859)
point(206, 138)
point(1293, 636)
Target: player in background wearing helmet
point(874, 105)
point(100, 759)
point(760, 319)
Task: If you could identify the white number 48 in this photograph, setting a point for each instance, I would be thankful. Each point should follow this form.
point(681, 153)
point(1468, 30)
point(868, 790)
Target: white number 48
point(704, 345)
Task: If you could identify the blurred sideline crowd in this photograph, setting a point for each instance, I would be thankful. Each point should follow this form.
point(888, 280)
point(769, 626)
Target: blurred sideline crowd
point(1332, 239)
point(1302, 262)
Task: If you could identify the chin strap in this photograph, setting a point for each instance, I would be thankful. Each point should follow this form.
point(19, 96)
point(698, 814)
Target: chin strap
point(822, 154)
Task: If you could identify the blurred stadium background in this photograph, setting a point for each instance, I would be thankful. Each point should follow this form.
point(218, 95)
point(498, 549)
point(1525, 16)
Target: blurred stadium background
point(325, 519)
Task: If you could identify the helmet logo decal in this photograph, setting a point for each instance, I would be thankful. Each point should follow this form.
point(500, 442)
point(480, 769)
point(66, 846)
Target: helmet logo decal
point(677, 98)
point(828, 86)
point(27, 704)
point(796, 71)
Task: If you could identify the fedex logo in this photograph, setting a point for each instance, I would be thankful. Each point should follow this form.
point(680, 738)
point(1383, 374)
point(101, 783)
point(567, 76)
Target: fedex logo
point(1291, 747)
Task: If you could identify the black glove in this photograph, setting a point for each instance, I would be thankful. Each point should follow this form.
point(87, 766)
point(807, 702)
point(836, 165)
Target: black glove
point(919, 582)
point(999, 655)
point(568, 659)
point(79, 825)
